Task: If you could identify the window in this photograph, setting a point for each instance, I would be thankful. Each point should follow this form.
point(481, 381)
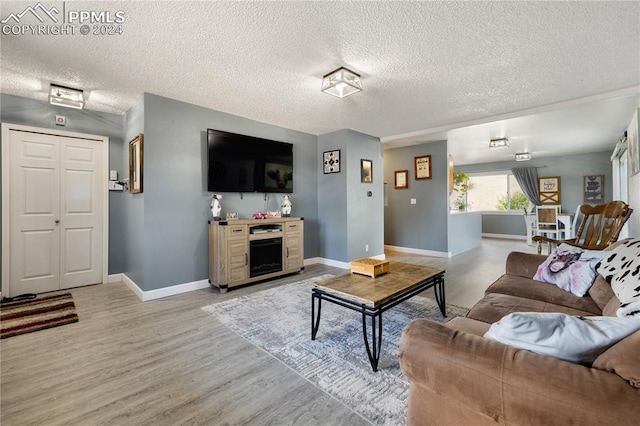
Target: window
point(495, 192)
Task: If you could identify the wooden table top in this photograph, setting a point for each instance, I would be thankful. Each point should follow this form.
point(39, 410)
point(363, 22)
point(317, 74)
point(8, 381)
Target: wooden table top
point(375, 291)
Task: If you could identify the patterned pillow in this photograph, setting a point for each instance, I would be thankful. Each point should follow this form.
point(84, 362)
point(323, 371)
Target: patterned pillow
point(570, 268)
point(621, 268)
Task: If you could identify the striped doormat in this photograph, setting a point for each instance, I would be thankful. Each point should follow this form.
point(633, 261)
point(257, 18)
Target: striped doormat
point(32, 315)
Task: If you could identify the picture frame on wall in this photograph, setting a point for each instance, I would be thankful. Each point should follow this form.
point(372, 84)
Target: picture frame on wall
point(366, 171)
point(422, 167)
point(593, 189)
point(136, 155)
point(331, 161)
point(401, 179)
point(549, 189)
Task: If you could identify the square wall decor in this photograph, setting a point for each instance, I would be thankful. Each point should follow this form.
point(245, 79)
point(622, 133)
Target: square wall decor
point(331, 161)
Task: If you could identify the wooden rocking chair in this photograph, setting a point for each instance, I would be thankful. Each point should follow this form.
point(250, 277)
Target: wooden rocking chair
point(600, 227)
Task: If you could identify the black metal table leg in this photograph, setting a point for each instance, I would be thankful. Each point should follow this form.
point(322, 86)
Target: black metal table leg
point(373, 350)
point(440, 298)
point(315, 321)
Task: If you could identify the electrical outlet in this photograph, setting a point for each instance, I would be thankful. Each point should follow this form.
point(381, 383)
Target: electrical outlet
point(366, 248)
point(113, 175)
point(414, 201)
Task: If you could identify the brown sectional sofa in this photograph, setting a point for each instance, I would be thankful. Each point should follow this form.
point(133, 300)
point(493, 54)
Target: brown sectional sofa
point(460, 378)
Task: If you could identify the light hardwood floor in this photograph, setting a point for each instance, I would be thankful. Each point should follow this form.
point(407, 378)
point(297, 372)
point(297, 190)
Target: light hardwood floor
point(166, 362)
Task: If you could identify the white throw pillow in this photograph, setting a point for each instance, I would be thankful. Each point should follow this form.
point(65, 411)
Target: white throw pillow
point(570, 268)
point(621, 268)
point(570, 338)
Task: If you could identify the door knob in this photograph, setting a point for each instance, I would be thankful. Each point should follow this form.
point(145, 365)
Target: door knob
point(57, 221)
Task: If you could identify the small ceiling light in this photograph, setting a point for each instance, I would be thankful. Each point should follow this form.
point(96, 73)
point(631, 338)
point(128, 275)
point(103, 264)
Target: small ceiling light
point(523, 156)
point(499, 143)
point(66, 96)
point(341, 82)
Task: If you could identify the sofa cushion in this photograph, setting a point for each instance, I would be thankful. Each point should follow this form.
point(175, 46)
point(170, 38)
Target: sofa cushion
point(468, 325)
point(562, 336)
point(570, 268)
point(544, 292)
point(622, 269)
point(494, 306)
point(601, 292)
point(622, 359)
point(611, 308)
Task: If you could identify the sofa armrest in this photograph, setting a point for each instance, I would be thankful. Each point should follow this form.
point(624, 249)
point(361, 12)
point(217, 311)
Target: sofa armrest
point(523, 264)
point(510, 385)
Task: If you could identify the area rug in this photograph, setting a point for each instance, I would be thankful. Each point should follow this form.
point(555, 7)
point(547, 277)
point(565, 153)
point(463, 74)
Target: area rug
point(32, 315)
point(278, 320)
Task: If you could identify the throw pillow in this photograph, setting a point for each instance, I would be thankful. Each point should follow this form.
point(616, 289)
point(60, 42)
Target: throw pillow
point(570, 268)
point(567, 337)
point(621, 268)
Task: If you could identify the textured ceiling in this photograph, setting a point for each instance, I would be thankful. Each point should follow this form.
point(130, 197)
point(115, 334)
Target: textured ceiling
point(427, 67)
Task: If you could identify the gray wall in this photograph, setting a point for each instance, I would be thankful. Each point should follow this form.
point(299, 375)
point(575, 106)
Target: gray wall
point(176, 201)
point(30, 112)
point(349, 218)
point(423, 225)
point(571, 170)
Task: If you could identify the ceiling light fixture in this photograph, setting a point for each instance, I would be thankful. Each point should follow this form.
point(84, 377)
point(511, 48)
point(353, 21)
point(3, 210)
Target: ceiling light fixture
point(341, 82)
point(499, 143)
point(66, 96)
point(523, 156)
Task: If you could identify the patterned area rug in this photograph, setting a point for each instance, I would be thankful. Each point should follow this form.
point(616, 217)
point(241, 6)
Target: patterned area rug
point(278, 320)
point(32, 315)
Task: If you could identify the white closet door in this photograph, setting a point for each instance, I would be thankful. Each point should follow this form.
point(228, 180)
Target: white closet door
point(56, 212)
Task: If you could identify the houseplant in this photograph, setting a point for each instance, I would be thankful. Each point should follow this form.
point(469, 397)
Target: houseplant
point(461, 185)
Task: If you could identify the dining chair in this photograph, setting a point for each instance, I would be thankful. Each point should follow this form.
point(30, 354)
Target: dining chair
point(548, 223)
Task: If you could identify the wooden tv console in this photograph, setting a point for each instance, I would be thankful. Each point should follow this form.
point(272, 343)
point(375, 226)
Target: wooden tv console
point(235, 247)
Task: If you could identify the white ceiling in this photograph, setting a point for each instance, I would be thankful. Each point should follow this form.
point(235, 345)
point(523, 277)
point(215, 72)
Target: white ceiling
point(553, 77)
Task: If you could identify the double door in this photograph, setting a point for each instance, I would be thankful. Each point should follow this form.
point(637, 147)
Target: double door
point(56, 212)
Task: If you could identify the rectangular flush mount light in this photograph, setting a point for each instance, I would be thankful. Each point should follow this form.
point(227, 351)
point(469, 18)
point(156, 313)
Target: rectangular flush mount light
point(66, 96)
point(341, 82)
point(499, 143)
point(523, 156)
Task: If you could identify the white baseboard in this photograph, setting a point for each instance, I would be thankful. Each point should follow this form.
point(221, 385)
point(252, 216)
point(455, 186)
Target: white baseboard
point(418, 251)
point(505, 236)
point(114, 278)
point(145, 296)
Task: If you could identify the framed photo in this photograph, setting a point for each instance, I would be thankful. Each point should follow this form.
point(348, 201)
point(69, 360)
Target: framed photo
point(366, 171)
point(331, 161)
point(593, 189)
point(136, 154)
point(549, 189)
point(401, 179)
point(422, 167)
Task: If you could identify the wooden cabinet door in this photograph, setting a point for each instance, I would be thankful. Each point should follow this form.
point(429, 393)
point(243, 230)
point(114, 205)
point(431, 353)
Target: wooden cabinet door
point(294, 243)
point(238, 259)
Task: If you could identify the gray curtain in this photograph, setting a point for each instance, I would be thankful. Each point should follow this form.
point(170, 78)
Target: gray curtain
point(527, 178)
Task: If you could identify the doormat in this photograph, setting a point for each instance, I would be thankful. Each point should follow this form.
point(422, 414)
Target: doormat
point(32, 315)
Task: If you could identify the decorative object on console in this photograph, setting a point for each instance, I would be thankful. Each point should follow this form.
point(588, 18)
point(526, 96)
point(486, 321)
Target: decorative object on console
point(341, 83)
point(366, 171)
point(401, 179)
point(136, 154)
point(286, 205)
point(593, 189)
point(232, 216)
point(331, 161)
point(549, 188)
point(422, 167)
point(216, 208)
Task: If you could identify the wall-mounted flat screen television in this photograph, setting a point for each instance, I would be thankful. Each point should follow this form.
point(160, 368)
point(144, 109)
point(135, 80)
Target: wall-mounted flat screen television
point(239, 163)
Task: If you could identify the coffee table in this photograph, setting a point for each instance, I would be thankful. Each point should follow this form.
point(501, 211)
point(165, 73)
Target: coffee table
point(372, 296)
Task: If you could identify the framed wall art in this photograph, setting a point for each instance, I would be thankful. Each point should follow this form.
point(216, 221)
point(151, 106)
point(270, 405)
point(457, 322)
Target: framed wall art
point(401, 179)
point(593, 189)
point(422, 167)
point(136, 154)
point(549, 188)
point(331, 161)
point(366, 171)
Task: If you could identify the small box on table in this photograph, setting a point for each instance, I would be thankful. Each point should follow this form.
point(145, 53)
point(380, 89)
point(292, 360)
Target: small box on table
point(370, 267)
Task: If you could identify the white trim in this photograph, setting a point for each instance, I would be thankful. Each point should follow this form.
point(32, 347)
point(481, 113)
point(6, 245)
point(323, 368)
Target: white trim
point(6, 218)
point(114, 278)
point(505, 236)
point(159, 293)
point(418, 251)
